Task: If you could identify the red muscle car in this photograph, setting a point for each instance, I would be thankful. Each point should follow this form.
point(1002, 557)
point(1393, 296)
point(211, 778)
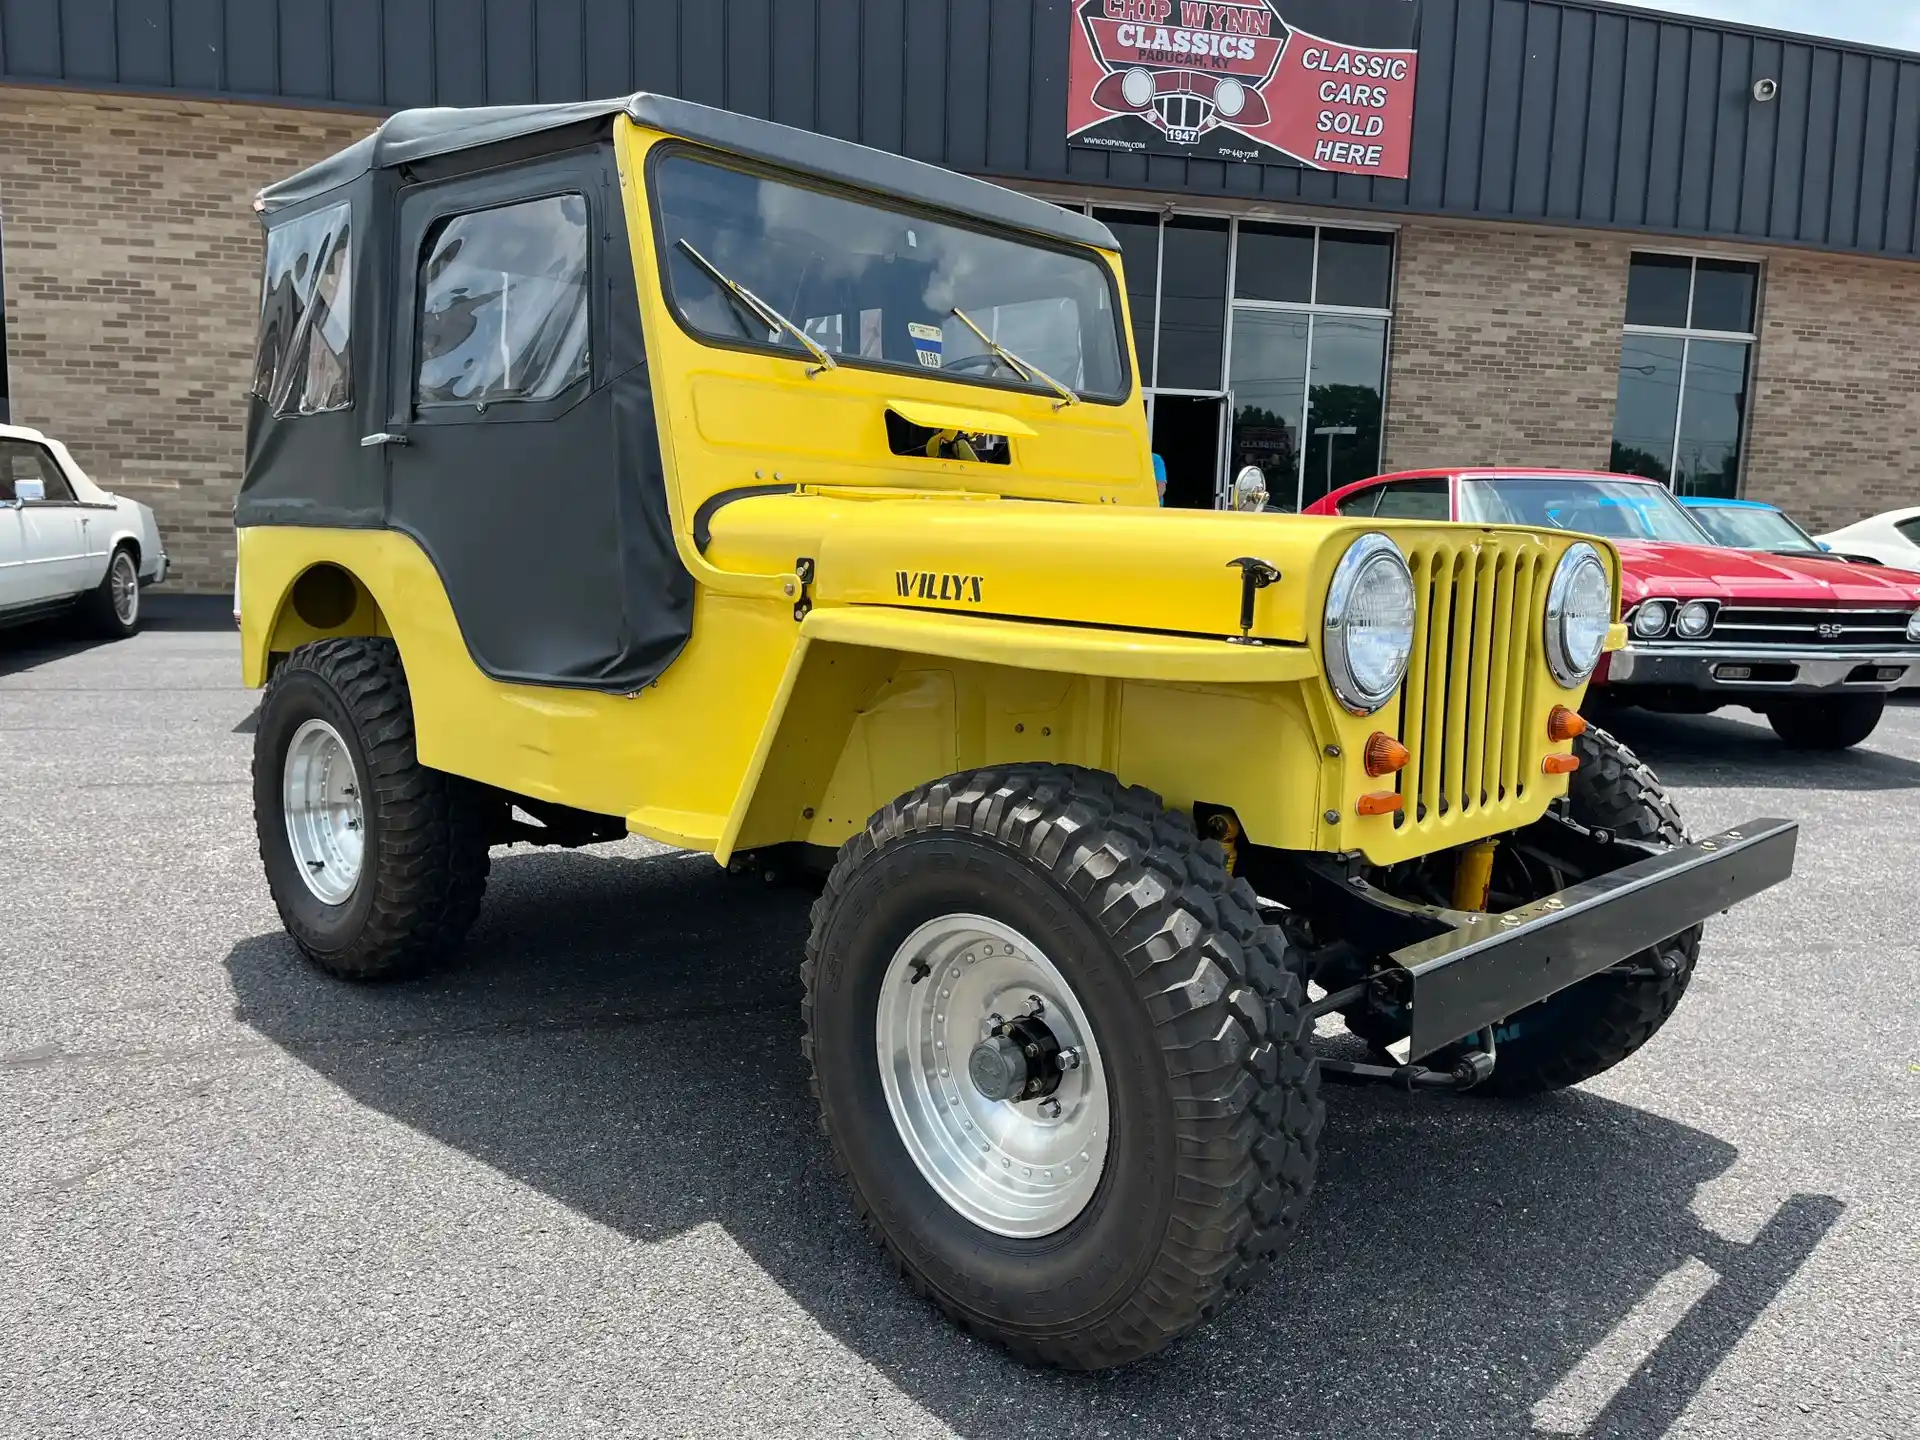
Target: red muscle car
point(1815, 644)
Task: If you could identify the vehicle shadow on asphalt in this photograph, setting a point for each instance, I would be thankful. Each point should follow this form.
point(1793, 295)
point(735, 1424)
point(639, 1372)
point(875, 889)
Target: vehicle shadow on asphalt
point(1739, 749)
point(623, 1036)
point(40, 643)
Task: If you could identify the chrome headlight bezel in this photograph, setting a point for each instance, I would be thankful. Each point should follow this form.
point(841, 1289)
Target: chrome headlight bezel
point(1708, 608)
point(1571, 671)
point(1652, 619)
point(1913, 628)
point(1371, 554)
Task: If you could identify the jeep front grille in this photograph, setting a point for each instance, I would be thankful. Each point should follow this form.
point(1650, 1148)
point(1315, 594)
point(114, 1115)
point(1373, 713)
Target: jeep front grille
point(1799, 628)
point(1465, 712)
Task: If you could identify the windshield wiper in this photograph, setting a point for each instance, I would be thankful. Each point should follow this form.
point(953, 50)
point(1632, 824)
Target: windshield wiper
point(762, 311)
point(1025, 369)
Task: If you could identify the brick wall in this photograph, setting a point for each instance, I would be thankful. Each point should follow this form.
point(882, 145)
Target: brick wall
point(1506, 347)
point(1835, 433)
point(132, 290)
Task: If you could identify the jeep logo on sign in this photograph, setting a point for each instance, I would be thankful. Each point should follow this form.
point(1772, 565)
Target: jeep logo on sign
point(937, 585)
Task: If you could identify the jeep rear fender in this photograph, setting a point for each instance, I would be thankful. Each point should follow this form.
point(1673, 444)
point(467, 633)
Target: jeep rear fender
point(324, 600)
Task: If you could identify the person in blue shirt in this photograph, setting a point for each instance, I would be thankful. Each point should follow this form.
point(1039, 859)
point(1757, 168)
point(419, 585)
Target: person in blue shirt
point(1160, 478)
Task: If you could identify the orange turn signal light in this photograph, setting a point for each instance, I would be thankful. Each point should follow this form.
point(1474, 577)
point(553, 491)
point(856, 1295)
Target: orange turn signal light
point(1560, 764)
point(1564, 724)
point(1385, 755)
point(1381, 802)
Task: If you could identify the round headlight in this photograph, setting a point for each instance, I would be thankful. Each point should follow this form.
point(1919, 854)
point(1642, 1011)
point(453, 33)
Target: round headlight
point(1652, 619)
point(1229, 97)
point(1369, 624)
point(1913, 627)
point(1696, 619)
point(1579, 611)
point(1136, 87)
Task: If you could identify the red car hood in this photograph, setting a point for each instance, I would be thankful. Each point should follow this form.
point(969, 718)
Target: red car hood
point(1710, 572)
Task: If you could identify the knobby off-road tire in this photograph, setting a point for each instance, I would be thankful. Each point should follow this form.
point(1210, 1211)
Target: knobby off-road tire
point(1593, 1026)
point(1838, 723)
point(424, 852)
point(1196, 1006)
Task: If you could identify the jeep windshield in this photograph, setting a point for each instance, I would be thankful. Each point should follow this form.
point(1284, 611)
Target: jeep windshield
point(873, 285)
point(1615, 509)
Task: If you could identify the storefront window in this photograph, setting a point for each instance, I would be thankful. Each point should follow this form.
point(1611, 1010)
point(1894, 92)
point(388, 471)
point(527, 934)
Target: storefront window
point(1275, 263)
point(1685, 363)
point(1138, 232)
point(1193, 302)
point(1307, 374)
point(1343, 403)
point(1270, 350)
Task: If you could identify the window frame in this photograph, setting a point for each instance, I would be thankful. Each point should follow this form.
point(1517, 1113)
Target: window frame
point(429, 236)
point(420, 207)
point(1314, 310)
point(1149, 382)
point(1438, 486)
point(51, 472)
point(1687, 334)
point(801, 180)
point(295, 409)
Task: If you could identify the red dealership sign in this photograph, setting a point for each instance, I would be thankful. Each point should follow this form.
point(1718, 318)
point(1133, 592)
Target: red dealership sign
point(1243, 82)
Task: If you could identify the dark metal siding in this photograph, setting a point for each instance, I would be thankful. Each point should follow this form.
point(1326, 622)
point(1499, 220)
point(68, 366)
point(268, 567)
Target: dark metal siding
point(1571, 112)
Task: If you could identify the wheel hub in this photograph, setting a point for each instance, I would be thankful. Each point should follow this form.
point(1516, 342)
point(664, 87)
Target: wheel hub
point(1006, 1118)
point(320, 796)
point(1017, 1061)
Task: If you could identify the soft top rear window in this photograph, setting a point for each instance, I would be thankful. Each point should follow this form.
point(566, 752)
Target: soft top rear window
point(877, 285)
point(302, 364)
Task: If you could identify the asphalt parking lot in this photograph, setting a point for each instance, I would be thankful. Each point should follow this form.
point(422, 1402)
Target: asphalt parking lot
point(575, 1185)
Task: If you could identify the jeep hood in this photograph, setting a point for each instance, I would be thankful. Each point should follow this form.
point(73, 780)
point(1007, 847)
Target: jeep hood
point(1128, 567)
point(1124, 567)
point(1704, 572)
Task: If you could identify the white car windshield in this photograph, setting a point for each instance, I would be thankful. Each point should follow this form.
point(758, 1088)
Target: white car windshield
point(1616, 509)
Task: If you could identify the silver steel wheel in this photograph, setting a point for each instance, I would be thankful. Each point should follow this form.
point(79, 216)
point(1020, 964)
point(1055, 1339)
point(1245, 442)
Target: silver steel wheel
point(1014, 1167)
point(123, 585)
point(320, 795)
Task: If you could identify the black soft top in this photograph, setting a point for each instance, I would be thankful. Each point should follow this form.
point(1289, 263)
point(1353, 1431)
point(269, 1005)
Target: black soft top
point(419, 134)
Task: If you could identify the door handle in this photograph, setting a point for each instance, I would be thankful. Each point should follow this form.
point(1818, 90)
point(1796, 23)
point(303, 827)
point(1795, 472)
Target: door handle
point(381, 437)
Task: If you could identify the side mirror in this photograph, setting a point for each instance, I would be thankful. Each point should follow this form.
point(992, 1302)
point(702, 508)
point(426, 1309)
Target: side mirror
point(25, 489)
point(1250, 489)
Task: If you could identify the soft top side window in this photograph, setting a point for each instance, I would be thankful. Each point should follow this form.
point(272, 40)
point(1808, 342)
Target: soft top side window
point(503, 304)
point(302, 365)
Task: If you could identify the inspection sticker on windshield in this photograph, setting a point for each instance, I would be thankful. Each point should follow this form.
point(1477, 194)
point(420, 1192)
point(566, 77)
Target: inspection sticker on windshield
point(926, 344)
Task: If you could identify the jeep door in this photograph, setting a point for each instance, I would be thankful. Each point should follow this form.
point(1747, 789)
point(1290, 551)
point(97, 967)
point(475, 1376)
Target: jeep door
point(507, 440)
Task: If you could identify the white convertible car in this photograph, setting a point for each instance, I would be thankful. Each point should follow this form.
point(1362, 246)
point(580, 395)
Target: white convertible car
point(1892, 538)
point(67, 544)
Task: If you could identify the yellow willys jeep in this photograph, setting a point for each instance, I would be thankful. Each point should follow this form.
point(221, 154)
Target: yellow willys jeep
point(643, 468)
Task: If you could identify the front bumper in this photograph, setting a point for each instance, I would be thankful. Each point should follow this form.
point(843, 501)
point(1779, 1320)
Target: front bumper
point(1488, 967)
point(1736, 670)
